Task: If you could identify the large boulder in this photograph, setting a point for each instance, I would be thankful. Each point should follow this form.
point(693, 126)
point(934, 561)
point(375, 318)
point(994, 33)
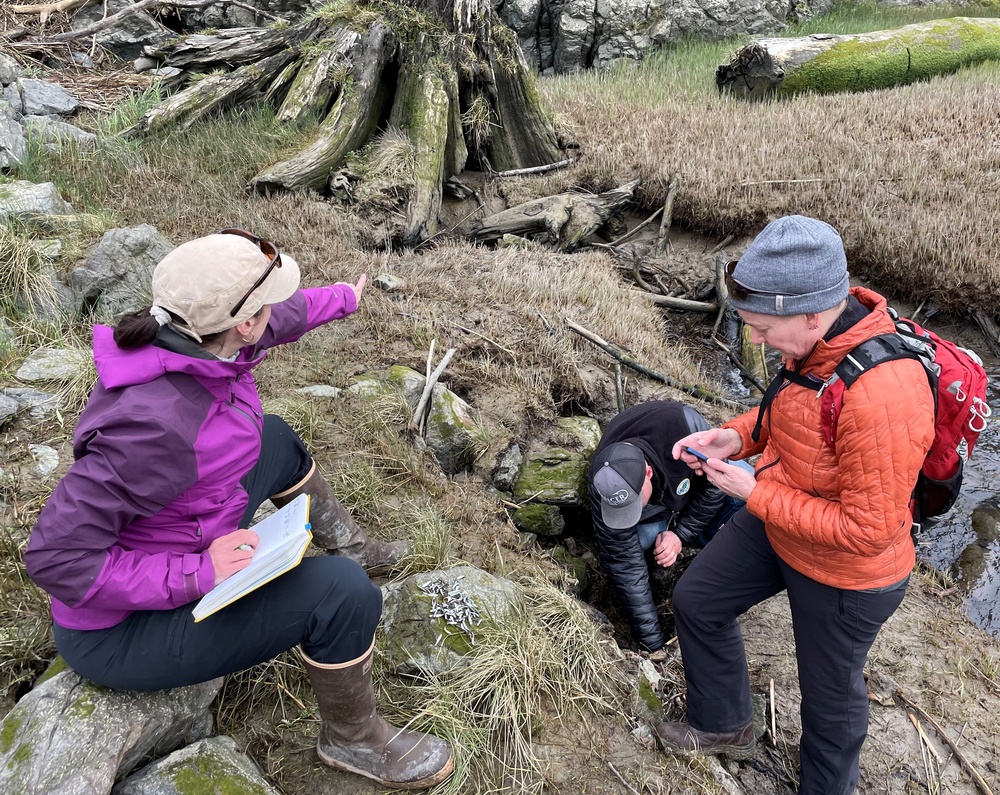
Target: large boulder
point(117, 275)
point(31, 201)
point(430, 619)
point(127, 38)
point(42, 98)
point(72, 737)
point(53, 364)
point(13, 144)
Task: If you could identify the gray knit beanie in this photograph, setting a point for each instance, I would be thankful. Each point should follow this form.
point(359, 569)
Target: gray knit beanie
point(798, 263)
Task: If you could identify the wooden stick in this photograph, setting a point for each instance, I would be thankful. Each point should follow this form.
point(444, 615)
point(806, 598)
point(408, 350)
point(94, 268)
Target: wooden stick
point(625, 784)
point(739, 365)
point(774, 730)
point(981, 783)
point(49, 8)
point(619, 387)
point(429, 388)
point(721, 291)
point(679, 303)
point(636, 264)
point(629, 235)
point(517, 172)
point(692, 389)
point(427, 377)
point(663, 238)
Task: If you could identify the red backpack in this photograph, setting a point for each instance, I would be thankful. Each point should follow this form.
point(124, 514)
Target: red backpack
point(959, 383)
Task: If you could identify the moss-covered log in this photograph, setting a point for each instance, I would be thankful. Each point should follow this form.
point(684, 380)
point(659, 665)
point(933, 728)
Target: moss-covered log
point(445, 73)
point(826, 63)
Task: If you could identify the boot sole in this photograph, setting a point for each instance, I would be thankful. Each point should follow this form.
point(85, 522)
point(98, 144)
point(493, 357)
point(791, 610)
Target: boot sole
point(732, 751)
point(423, 783)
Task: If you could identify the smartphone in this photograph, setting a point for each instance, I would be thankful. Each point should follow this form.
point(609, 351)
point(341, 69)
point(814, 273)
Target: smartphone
point(699, 455)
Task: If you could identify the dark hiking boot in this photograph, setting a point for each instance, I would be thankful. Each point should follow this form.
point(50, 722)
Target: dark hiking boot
point(682, 738)
point(335, 530)
point(355, 738)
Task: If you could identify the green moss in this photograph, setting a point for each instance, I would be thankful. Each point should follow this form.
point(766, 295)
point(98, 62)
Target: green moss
point(20, 757)
point(208, 775)
point(82, 707)
point(907, 57)
point(8, 732)
point(648, 696)
point(556, 475)
point(57, 666)
point(454, 638)
point(543, 520)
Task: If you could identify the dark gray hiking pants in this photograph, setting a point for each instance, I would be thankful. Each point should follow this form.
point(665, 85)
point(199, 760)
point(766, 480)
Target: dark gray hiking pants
point(833, 629)
point(328, 604)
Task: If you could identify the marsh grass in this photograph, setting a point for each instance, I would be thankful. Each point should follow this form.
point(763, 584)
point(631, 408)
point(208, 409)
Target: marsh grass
point(24, 273)
point(546, 659)
point(909, 176)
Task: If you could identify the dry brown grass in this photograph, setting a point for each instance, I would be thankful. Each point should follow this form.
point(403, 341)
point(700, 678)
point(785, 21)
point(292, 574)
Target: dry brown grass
point(909, 176)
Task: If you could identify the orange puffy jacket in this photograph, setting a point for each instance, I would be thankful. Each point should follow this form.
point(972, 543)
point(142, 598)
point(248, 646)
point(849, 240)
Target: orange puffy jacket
point(842, 516)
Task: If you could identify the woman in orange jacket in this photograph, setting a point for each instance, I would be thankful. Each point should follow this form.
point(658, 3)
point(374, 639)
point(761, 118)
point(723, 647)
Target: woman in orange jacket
point(830, 526)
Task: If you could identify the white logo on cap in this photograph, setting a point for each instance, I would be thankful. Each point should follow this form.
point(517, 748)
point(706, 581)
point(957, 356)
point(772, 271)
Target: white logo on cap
point(619, 497)
point(684, 487)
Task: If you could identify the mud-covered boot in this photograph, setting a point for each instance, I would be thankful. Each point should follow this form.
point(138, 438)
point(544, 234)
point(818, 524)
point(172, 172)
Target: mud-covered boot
point(354, 738)
point(335, 530)
point(682, 738)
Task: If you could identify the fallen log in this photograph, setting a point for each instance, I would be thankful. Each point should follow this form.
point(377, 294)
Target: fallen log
point(826, 63)
point(564, 220)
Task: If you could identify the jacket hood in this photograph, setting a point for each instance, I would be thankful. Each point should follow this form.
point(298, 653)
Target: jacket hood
point(829, 353)
point(118, 368)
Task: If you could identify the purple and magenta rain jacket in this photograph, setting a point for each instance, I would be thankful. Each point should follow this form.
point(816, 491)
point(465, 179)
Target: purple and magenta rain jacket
point(159, 453)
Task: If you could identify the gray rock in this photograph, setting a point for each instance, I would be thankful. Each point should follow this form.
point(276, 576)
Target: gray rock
point(320, 390)
point(388, 283)
point(56, 303)
point(144, 63)
point(450, 430)
point(209, 766)
point(418, 640)
point(129, 36)
point(7, 335)
point(46, 459)
point(13, 144)
point(38, 404)
point(12, 96)
point(118, 272)
point(410, 381)
point(8, 409)
point(42, 98)
point(75, 738)
point(54, 133)
point(232, 16)
point(52, 364)
point(507, 469)
point(47, 249)
point(10, 70)
point(29, 200)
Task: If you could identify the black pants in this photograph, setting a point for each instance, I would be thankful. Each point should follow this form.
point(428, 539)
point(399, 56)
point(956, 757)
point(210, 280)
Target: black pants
point(833, 628)
point(327, 604)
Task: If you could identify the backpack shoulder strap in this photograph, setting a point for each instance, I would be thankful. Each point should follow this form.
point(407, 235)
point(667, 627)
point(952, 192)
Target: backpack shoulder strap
point(871, 353)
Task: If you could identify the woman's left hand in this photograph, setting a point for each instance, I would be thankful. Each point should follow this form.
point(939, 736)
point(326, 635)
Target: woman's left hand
point(733, 480)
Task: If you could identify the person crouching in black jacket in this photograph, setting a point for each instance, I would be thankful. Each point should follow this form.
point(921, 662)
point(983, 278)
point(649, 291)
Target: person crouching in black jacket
point(642, 499)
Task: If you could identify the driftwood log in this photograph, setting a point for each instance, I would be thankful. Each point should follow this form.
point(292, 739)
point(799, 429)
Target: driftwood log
point(447, 73)
point(564, 220)
point(827, 63)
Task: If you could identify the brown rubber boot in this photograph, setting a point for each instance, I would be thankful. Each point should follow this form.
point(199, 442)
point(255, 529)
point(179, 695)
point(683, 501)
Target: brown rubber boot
point(354, 738)
point(682, 738)
point(335, 530)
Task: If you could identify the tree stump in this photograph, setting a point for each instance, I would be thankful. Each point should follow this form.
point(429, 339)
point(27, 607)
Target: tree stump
point(827, 63)
point(448, 74)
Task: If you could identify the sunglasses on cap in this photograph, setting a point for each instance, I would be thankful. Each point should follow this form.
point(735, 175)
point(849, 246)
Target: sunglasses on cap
point(268, 249)
point(740, 291)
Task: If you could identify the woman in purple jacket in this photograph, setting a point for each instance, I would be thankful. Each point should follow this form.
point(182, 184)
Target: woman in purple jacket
point(173, 456)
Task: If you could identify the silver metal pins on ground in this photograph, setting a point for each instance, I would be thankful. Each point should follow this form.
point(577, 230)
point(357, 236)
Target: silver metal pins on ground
point(454, 606)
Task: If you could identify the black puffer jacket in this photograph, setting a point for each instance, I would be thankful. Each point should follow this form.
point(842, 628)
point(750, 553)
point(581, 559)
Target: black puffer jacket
point(687, 501)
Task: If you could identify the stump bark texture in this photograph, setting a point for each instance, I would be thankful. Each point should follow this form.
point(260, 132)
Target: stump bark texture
point(447, 73)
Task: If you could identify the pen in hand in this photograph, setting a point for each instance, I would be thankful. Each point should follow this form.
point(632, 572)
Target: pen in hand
point(245, 548)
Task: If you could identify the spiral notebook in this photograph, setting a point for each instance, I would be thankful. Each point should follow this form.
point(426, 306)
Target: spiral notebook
point(284, 537)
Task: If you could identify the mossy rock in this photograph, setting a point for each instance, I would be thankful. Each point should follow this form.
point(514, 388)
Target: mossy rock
point(418, 643)
point(540, 519)
point(214, 766)
point(556, 476)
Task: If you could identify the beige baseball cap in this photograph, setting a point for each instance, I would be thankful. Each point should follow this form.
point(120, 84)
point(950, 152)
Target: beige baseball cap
point(202, 280)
